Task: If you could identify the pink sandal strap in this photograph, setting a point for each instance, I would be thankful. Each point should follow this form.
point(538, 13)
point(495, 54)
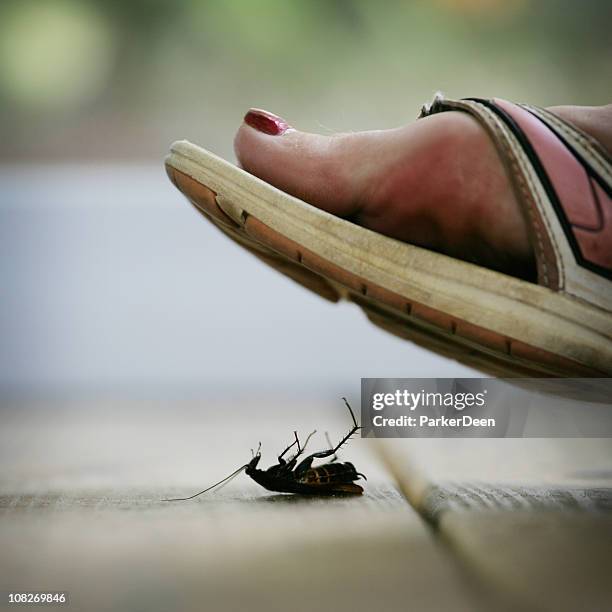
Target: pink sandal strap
point(582, 198)
point(563, 180)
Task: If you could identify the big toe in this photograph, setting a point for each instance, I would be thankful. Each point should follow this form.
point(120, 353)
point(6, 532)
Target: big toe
point(317, 169)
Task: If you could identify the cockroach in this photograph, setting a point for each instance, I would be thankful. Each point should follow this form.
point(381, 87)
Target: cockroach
point(289, 476)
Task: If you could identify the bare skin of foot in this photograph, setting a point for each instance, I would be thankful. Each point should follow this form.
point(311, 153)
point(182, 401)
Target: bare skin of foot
point(438, 183)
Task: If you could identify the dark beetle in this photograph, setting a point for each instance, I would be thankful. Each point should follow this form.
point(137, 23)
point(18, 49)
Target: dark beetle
point(289, 476)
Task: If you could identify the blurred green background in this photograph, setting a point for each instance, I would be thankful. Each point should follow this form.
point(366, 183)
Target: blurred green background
point(113, 79)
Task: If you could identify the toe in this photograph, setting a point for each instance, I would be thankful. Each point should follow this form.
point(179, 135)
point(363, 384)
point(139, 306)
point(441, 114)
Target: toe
point(314, 168)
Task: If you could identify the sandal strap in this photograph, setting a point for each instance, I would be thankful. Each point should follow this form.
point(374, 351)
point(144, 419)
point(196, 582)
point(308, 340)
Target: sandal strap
point(563, 181)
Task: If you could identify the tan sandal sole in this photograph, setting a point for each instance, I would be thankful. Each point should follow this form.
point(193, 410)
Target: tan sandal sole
point(499, 324)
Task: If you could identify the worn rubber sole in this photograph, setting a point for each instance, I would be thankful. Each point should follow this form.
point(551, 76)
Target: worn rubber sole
point(496, 323)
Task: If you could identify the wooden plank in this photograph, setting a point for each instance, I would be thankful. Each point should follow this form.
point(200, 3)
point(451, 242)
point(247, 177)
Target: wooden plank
point(551, 560)
point(81, 510)
point(530, 517)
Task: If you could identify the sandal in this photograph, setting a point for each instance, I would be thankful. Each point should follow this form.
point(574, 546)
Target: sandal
point(504, 326)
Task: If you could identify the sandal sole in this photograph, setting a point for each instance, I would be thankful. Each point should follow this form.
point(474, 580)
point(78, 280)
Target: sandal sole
point(499, 324)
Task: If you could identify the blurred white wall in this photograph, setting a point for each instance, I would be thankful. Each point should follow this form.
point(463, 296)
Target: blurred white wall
point(112, 282)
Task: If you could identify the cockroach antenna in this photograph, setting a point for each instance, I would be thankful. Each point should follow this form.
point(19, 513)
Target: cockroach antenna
point(289, 476)
point(225, 480)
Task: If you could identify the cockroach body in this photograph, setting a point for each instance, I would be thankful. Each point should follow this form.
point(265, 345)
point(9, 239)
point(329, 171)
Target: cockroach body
point(289, 476)
point(292, 477)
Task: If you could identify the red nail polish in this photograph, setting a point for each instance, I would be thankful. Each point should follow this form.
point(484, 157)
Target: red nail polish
point(266, 122)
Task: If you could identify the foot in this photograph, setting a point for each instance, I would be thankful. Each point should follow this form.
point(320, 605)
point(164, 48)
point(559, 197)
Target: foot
point(438, 183)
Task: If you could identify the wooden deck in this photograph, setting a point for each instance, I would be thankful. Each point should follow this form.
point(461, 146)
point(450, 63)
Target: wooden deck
point(81, 511)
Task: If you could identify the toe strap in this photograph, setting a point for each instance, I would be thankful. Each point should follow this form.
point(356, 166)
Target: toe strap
point(563, 180)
